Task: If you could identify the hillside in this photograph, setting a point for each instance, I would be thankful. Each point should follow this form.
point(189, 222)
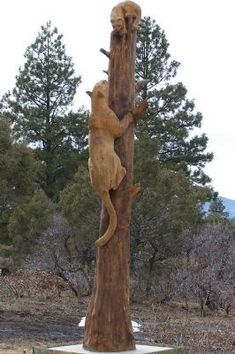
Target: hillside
point(230, 206)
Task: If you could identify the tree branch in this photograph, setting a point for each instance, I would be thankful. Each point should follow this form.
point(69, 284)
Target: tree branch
point(105, 52)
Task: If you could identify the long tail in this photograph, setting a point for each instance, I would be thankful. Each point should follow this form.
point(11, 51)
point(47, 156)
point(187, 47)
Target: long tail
point(105, 196)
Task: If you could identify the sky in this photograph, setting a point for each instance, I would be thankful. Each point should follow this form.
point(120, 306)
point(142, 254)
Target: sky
point(201, 37)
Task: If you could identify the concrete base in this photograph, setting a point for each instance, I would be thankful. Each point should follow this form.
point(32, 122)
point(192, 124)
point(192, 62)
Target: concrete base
point(78, 349)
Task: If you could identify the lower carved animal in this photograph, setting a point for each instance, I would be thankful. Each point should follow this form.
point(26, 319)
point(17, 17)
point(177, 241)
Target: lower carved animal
point(105, 168)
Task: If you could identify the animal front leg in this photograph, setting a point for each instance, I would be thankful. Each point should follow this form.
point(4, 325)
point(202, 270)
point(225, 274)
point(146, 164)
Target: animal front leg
point(117, 127)
point(132, 15)
point(133, 21)
point(139, 110)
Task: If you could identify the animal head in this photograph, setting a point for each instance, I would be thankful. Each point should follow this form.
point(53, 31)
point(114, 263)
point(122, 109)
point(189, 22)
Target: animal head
point(100, 90)
point(118, 24)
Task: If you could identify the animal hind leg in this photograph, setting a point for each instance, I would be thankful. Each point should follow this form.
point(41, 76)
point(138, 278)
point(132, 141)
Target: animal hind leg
point(90, 170)
point(119, 177)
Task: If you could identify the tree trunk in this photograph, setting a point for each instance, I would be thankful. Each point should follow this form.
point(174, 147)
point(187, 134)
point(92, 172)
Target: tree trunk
point(108, 324)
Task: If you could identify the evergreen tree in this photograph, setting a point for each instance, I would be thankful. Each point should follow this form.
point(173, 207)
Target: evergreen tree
point(168, 205)
point(81, 205)
point(169, 161)
point(18, 169)
point(171, 116)
point(28, 220)
point(216, 211)
point(39, 107)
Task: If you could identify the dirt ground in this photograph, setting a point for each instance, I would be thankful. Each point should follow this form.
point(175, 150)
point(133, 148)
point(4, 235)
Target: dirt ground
point(34, 321)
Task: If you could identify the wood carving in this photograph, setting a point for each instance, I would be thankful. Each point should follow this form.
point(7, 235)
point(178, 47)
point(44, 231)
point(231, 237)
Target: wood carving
point(105, 168)
point(108, 323)
point(125, 11)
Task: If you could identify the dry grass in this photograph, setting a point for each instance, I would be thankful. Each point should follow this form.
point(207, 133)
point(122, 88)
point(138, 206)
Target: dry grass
point(47, 319)
point(16, 350)
point(171, 324)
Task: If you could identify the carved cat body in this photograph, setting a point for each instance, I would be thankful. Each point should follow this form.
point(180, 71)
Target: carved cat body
point(105, 169)
point(123, 11)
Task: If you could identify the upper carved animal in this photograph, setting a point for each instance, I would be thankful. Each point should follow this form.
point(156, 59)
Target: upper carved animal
point(121, 13)
point(105, 169)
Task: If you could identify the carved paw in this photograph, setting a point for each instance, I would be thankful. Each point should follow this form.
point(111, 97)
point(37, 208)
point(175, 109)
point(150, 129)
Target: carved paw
point(134, 190)
point(139, 110)
point(134, 28)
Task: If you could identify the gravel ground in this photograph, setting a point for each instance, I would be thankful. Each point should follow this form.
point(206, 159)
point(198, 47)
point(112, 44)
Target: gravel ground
point(36, 321)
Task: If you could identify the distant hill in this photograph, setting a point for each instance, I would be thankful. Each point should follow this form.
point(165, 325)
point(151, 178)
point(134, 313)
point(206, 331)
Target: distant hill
point(230, 206)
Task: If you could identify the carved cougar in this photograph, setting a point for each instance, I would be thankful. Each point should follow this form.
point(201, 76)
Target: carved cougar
point(123, 11)
point(105, 169)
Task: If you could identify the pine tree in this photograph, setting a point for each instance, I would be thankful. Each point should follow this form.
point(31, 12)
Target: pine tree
point(171, 117)
point(80, 205)
point(18, 170)
point(39, 107)
point(28, 220)
point(169, 160)
point(217, 211)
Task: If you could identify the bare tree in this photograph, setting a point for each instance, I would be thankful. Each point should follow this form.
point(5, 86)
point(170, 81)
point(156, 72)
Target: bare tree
point(58, 251)
point(207, 270)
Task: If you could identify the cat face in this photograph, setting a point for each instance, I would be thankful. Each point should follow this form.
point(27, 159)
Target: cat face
point(100, 89)
point(118, 24)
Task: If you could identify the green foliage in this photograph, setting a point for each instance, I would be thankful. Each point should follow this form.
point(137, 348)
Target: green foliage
point(17, 175)
point(5, 135)
point(168, 205)
point(39, 107)
point(81, 206)
point(29, 219)
point(153, 60)
point(171, 116)
point(169, 161)
point(216, 211)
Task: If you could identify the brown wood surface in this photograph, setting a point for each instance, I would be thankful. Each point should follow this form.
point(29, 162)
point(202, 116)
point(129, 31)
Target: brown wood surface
point(108, 324)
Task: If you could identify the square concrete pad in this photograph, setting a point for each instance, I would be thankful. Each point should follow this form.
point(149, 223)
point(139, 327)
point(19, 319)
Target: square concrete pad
point(140, 349)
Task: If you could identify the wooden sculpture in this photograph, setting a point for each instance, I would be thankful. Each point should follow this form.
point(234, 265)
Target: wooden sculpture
point(108, 324)
point(125, 11)
point(105, 169)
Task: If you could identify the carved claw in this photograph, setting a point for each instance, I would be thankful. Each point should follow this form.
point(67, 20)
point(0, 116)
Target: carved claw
point(134, 190)
point(139, 110)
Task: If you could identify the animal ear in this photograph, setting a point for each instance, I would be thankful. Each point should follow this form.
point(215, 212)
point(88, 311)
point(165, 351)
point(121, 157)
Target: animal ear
point(89, 93)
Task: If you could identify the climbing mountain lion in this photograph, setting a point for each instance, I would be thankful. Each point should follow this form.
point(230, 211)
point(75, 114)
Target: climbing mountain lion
point(105, 168)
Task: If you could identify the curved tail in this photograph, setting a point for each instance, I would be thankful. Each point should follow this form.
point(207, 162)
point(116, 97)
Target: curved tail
point(105, 196)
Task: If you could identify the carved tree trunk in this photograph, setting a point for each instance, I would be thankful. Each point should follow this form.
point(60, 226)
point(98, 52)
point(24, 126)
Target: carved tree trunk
point(108, 325)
